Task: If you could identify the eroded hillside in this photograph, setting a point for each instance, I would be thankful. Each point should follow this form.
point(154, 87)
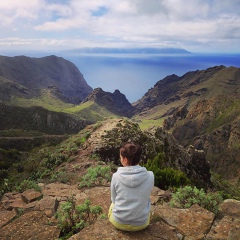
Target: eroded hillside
point(200, 108)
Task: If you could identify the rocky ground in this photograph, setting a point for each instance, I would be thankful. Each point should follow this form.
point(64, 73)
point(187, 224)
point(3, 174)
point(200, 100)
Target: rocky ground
point(31, 214)
point(37, 221)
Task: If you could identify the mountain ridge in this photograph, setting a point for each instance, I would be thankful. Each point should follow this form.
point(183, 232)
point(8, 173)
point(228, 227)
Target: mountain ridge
point(149, 50)
point(38, 73)
point(200, 108)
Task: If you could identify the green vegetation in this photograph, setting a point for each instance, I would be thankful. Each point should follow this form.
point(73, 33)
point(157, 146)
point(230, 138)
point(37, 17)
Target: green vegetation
point(224, 114)
point(72, 218)
point(62, 153)
point(126, 131)
point(96, 176)
point(166, 177)
point(187, 196)
point(145, 124)
point(46, 100)
point(19, 170)
point(7, 159)
point(27, 184)
point(90, 111)
point(79, 108)
point(60, 175)
point(5, 187)
point(226, 189)
point(20, 133)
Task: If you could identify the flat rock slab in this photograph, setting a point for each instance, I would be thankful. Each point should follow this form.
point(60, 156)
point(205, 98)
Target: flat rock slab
point(230, 207)
point(6, 216)
point(193, 223)
point(97, 195)
point(228, 228)
point(103, 229)
point(47, 204)
point(60, 190)
point(12, 200)
point(32, 225)
point(31, 195)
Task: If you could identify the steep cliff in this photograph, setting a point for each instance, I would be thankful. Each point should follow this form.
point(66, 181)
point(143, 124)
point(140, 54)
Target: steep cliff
point(41, 73)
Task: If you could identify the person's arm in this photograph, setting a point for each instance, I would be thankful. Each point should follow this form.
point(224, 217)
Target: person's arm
point(113, 190)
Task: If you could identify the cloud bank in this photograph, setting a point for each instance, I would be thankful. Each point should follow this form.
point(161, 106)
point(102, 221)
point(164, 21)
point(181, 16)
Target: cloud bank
point(197, 25)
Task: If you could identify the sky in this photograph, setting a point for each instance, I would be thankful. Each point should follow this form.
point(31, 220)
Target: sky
point(52, 25)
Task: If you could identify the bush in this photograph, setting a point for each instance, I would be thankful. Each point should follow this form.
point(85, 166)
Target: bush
point(27, 184)
point(72, 218)
point(53, 160)
point(5, 186)
point(187, 196)
point(96, 176)
point(61, 176)
point(166, 177)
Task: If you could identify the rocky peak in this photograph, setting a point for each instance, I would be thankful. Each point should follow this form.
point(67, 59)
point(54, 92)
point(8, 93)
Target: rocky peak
point(115, 102)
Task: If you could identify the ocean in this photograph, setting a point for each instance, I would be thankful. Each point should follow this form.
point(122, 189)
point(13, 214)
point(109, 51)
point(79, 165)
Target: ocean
point(135, 74)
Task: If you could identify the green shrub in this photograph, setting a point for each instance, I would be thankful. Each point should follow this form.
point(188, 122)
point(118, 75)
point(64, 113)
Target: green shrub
point(61, 176)
point(27, 184)
point(96, 176)
point(5, 186)
point(187, 196)
point(53, 160)
point(8, 158)
point(166, 177)
point(72, 218)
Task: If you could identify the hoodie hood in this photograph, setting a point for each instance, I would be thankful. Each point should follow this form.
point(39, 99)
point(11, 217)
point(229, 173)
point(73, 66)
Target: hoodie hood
point(132, 176)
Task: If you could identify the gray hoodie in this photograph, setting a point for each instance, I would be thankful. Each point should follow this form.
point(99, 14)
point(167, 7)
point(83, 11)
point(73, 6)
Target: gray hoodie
point(131, 187)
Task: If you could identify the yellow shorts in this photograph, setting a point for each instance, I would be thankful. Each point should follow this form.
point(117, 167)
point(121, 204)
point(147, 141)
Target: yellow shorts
point(125, 227)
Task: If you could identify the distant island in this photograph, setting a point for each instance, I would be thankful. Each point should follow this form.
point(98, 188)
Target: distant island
point(98, 50)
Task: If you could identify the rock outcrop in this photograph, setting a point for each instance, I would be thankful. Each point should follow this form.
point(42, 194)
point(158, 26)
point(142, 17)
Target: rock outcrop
point(190, 161)
point(25, 216)
point(115, 102)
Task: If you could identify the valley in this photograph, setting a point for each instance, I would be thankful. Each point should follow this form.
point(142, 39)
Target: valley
point(60, 140)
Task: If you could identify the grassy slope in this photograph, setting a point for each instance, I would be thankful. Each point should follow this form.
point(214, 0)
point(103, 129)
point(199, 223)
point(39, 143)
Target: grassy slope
point(90, 111)
point(86, 111)
point(219, 89)
point(45, 100)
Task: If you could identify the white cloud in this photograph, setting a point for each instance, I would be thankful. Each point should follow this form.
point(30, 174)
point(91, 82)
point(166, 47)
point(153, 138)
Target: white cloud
point(17, 9)
point(125, 22)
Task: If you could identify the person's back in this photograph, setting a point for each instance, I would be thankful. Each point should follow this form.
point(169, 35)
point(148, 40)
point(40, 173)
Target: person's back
point(131, 187)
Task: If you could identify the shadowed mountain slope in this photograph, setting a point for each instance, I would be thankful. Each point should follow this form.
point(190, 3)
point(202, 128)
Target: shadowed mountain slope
point(41, 73)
